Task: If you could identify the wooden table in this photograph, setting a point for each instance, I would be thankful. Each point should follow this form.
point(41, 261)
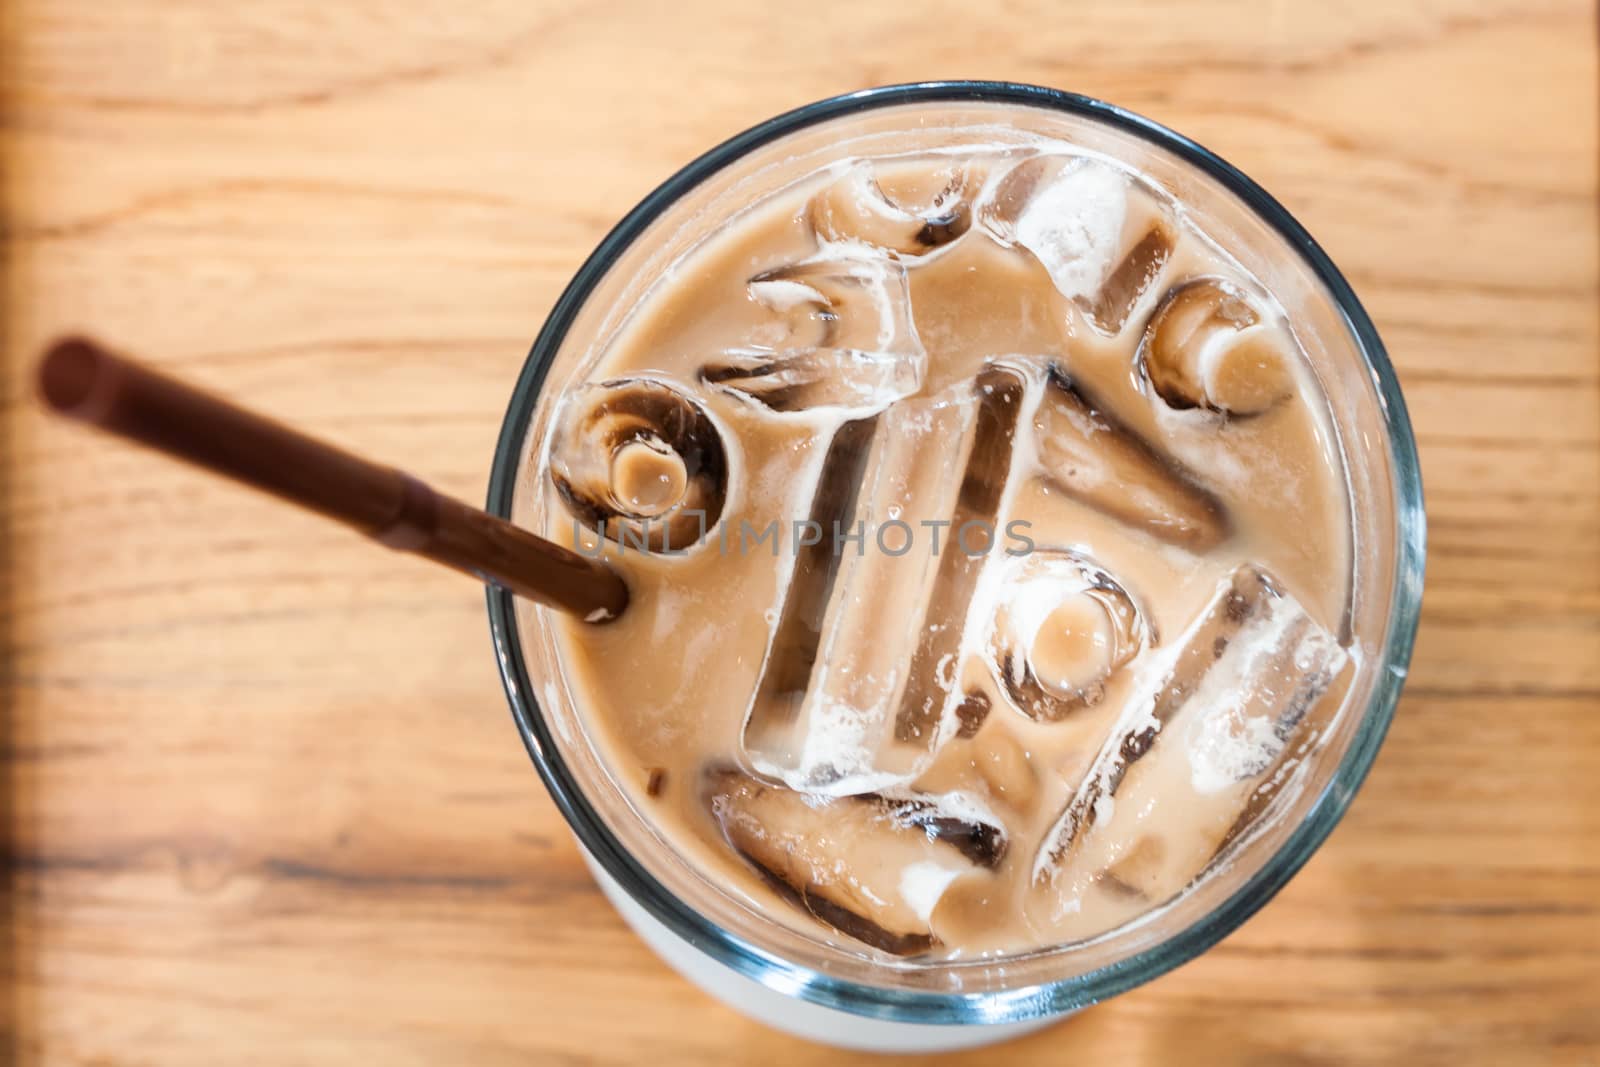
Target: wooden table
point(265, 804)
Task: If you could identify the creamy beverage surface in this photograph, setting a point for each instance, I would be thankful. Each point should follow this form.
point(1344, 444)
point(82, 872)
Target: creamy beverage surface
point(989, 547)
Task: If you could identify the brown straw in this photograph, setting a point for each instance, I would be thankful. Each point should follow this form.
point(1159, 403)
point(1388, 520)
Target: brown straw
point(81, 380)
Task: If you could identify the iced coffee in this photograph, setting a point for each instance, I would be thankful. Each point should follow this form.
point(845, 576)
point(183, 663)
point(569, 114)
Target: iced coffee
point(989, 549)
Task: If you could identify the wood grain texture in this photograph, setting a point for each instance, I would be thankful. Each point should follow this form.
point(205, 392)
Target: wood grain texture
point(264, 803)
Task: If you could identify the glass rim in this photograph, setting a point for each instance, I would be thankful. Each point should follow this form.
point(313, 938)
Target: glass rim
point(1050, 998)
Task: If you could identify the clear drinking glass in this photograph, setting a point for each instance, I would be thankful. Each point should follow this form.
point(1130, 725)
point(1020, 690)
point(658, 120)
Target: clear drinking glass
point(709, 934)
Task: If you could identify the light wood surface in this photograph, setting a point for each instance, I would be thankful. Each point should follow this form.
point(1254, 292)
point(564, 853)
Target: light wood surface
point(264, 801)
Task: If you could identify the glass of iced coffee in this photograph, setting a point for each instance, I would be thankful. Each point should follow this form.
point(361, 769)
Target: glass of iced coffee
point(1024, 539)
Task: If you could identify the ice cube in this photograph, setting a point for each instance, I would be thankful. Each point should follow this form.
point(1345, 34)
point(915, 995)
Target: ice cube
point(792, 653)
point(877, 603)
point(860, 682)
point(1185, 757)
point(856, 208)
point(1088, 453)
point(1061, 626)
point(1102, 239)
point(1068, 211)
point(873, 867)
point(840, 335)
point(1209, 346)
point(802, 379)
point(639, 461)
point(1135, 273)
point(931, 696)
